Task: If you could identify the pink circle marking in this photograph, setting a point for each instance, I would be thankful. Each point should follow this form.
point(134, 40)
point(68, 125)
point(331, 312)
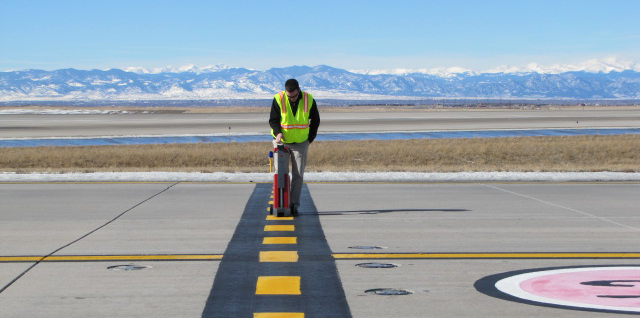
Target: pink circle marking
point(610, 288)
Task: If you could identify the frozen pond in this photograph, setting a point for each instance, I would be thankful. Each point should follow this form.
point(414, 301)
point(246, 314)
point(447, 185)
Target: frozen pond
point(220, 138)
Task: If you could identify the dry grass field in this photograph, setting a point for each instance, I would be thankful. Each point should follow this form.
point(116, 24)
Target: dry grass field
point(583, 153)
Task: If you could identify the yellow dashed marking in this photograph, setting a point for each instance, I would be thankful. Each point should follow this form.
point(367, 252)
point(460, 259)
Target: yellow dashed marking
point(278, 315)
point(278, 285)
point(280, 240)
point(278, 256)
point(282, 218)
point(284, 228)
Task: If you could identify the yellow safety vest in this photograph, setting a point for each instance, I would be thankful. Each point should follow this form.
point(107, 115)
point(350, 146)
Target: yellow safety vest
point(295, 129)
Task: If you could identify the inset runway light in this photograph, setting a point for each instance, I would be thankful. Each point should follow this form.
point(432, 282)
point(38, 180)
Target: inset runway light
point(377, 265)
point(388, 292)
point(127, 267)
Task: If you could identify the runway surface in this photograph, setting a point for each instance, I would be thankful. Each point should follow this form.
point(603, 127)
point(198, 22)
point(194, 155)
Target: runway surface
point(182, 242)
point(21, 126)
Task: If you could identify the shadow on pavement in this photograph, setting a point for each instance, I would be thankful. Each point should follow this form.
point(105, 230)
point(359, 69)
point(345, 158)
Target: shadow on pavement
point(388, 211)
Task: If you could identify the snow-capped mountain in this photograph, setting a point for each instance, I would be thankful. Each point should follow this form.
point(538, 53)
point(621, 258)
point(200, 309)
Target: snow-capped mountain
point(610, 64)
point(186, 68)
point(222, 82)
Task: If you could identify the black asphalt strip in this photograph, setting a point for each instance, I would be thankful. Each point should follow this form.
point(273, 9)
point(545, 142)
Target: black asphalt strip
point(234, 288)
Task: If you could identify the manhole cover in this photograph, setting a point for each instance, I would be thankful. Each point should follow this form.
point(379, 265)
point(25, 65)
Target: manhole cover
point(376, 265)
point(388, 292)
point(367, 247)
point(127, 267)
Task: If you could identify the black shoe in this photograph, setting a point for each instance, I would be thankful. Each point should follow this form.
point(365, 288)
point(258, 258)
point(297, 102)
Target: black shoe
point(294, 210)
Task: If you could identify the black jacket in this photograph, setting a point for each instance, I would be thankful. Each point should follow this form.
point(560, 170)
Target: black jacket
point(314, 117)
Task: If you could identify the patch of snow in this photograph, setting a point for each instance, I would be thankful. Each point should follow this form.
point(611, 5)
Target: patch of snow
point(19, 111)
point(324, 177)
point(75, 84)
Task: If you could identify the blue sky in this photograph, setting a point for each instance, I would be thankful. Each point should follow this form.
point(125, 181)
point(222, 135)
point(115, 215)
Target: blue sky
point(476, 35)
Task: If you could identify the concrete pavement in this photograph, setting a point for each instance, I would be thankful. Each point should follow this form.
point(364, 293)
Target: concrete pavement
point(155, 220)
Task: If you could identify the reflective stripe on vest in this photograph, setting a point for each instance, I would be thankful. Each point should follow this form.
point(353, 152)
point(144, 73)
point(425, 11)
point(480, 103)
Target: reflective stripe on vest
point(294, 126)
point(283, 104)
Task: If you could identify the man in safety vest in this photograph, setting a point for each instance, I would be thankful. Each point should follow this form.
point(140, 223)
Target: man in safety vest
point(295, 120)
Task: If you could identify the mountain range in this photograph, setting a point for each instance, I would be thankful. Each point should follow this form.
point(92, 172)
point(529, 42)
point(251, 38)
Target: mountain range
point(221, 82)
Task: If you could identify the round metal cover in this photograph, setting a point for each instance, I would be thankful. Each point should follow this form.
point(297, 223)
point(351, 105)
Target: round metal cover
point(376, 265)
point(127, 267)
point(367, 247)
point(388, 292)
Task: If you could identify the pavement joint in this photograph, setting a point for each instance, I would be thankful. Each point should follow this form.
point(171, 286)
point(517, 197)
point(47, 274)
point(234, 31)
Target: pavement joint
point(82, 237)
point(563, 207)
